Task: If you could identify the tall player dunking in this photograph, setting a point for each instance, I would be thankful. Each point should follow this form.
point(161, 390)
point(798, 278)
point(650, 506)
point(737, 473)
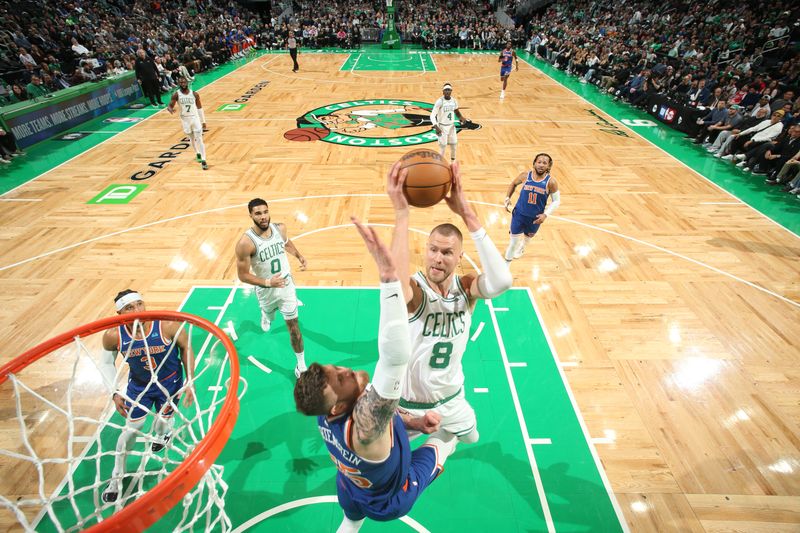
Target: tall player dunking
point(440, 305)
point(263, 249)
point(507, 55)
point(192, 116)
point(532, 208)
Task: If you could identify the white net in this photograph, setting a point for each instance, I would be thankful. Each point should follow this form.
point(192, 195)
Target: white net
point(63, 445)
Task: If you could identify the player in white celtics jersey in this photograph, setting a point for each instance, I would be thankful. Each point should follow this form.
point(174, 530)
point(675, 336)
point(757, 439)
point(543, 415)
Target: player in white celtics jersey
point(440, 305)
point(192, 116)
point(262, 249)
point(443, 116)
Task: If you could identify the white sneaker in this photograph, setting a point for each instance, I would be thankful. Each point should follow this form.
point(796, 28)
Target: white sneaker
point(740, 157)
point(111, 493)
point(519, 253)
point(502, 94)
point(265, 323)
point(160, 442)
point(740, 164)
point(727, 157)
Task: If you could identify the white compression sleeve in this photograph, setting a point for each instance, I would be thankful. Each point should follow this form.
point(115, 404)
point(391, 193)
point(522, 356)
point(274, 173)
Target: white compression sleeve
point(555, 201)
point(107, 368)
point(394, 344)
point(202, 115)
point(496, 277)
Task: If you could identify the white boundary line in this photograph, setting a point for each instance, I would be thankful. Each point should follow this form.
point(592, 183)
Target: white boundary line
point(413, 524)
point(123, 131)
point(435, 68)
point(20, 199)
point(258, 363)
point(548, 518)
point(657, 146)
point(477, 332)
point(353, 68)
point(576, 409)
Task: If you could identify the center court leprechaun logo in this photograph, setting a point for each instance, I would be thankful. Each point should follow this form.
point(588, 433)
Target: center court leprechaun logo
point(375, 123)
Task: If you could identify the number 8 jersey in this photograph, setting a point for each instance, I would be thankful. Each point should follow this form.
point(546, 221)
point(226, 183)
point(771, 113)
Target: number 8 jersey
point(439, 333)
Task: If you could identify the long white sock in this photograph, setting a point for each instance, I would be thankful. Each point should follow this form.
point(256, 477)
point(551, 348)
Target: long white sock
point(194, 144)
point(442, 148)
point(301, 360)
point(513, 243)
point(444, 443)
point(201, 147)
point(163, 425)
point(350, 526)
point(125, 442)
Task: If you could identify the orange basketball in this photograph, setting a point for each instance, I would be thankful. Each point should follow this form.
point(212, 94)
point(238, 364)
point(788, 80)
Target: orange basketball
point(429, 176)
point(306, 134)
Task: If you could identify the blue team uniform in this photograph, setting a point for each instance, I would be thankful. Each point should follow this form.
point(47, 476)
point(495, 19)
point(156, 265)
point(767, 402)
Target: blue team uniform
point(530, 204)
point(144, 361)
point(505, 63)
point(381, 491)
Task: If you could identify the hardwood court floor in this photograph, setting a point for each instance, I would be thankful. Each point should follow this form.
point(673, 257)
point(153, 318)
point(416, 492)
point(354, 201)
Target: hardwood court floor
point(673, 308)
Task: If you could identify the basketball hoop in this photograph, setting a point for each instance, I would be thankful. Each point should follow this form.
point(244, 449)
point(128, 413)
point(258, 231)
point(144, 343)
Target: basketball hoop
point(196, 443)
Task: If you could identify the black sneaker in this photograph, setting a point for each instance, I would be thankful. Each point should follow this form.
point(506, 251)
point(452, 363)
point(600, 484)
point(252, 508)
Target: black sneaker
point(204, 164)
point(111, 493)
point(158, 446)
point(772, 181)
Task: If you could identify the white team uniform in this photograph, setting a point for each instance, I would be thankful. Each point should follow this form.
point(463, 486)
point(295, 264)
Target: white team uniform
point(188, 112)
point(443, 114)
point(439, 332)
point(270, 259)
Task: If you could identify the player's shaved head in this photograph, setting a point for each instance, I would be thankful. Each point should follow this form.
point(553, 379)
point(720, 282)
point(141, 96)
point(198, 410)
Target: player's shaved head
point(448, 230)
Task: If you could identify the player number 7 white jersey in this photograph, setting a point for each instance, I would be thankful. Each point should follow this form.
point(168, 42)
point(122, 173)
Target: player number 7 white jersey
point(187, 104)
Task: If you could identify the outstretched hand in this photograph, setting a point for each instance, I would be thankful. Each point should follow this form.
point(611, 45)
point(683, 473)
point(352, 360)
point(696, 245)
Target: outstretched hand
point(380, 253)
point(456, 200)
point(395, 181)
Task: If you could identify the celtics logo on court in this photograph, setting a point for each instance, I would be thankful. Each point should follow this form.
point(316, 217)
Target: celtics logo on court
point(370, 123)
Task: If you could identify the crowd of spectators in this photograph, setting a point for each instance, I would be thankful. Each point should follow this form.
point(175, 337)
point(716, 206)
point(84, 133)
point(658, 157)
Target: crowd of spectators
point(735, 60)
point(47, 45)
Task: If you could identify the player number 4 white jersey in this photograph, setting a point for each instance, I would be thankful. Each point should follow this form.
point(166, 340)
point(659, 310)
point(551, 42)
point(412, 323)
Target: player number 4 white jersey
point(439, 332)
point(444, 111)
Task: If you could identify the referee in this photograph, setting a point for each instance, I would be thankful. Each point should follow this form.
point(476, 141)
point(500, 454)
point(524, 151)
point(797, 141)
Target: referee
point(291, 44)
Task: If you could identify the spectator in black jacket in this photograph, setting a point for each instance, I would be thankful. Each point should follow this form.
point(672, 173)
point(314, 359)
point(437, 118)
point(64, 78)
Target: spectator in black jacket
point(147, 76)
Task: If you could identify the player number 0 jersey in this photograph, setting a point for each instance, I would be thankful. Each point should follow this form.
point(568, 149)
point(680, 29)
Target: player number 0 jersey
point(270, 255)
point(439, 333)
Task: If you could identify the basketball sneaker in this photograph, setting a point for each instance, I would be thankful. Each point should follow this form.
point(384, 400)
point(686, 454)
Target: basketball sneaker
point(199, 158)
point(111, 493)
point(161, 442)
point(502, 94)
point(519, 253)
point(204, 165)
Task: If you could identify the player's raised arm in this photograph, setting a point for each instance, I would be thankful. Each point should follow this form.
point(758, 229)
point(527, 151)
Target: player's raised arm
point(511, 188)
point(290, 247)
point(375, 408)
point(496, 277)
point(400, 254)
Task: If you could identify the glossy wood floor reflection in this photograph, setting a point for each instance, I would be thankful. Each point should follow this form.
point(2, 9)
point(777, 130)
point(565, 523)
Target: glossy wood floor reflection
point(673, 306)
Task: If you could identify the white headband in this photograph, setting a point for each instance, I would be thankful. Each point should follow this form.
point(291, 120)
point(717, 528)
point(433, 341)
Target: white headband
point(127, 299)
point(447, 86)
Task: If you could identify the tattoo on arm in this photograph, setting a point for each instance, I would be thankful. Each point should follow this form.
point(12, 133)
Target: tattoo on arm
point(371, 416)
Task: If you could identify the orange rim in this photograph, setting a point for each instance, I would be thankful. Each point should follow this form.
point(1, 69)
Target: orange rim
point(159, 500)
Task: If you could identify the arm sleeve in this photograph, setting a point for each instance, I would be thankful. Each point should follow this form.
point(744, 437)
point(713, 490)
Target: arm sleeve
point(496, 277)
point(107, 369)
point(435, 114)
point(555, 201)
point(394, 343)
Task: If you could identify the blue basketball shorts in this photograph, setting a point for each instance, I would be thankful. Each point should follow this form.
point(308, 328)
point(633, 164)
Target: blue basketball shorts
point(523, 224)
point(153, 397)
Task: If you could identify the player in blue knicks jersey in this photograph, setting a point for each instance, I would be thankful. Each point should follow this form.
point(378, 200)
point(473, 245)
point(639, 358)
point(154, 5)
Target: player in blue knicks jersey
point(158, 355)
point(532, 208)
point(378, 475)
point(507, 55)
